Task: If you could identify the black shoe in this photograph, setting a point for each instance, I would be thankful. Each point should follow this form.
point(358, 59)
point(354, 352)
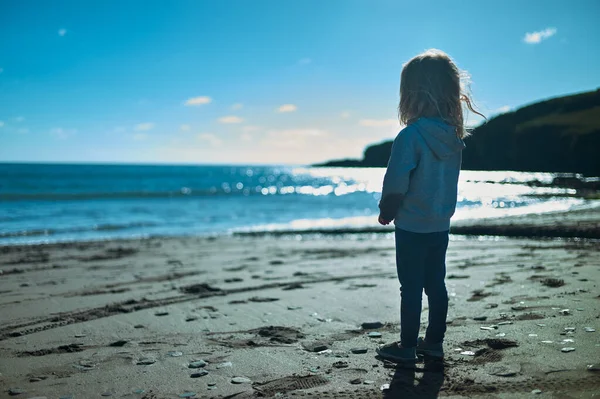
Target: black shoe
point(394, 352)
point(424, 348)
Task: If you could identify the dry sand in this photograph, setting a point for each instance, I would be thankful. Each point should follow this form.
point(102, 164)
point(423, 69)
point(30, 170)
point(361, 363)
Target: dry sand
point(126, 318)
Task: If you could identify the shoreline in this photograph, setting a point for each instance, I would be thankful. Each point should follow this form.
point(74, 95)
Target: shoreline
point(575, 224)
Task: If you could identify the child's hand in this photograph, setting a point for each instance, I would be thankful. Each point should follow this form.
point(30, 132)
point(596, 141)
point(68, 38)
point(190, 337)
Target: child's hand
point(384, 222)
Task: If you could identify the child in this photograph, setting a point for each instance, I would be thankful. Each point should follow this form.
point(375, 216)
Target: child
point(419, 194)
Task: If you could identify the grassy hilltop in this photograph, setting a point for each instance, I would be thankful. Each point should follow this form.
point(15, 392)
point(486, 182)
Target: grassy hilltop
point(557, 135)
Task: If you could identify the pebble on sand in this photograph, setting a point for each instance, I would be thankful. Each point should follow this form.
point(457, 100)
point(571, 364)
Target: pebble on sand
point(198, 374)
point(374, 334)
point(590, 329)
point(161, 313)
point(468, 353)
point(145, 361)
point(241, 380)
point(196, 364)
point(356, 381)
point(593, 367)
point(371, 325)
point(567, 349)
point(16, 391)
point(359, 351)
point(187, 395)
point(175, 353)
point(536, 391)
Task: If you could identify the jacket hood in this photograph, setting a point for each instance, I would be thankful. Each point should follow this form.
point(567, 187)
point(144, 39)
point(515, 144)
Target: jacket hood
point(440, 137)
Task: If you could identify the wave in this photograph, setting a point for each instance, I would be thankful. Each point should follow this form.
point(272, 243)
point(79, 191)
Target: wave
point(52, 232)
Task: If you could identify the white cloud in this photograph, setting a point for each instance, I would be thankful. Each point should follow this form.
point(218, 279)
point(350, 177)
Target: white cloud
point(537, 37)
point(144, 126)
point(237, 106)
point(246, 137)
point(210, 138)
point(1, 123)
point(305, 61)
point(345, 115)
point(198, 101)
point(248, 128)
point(62, 134)
point(287, 108)
point(19, 119)
point(504, 109)
point(185, 128)
point(140, 136)
point(230, 119)
point(378, 122)
point(62, 32)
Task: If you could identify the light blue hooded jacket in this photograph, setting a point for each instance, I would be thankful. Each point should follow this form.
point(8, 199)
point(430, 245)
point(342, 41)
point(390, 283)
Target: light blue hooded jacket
point(423, 171)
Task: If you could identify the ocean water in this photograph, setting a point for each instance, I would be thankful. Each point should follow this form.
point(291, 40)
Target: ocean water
point(51, 203)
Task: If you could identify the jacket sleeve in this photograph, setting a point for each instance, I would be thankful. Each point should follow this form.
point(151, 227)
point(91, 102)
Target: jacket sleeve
point(403, 159)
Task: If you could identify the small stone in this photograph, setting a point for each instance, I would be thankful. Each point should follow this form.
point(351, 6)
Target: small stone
point(175, 353)
point(372, 325)
point(480, 318)
point(79, 335)
point(590, 329)
point(567, 340)
point(467, 353)
point(568, 349)
point(501, 335)
point(356, 381)
point(384, 387)
point(196, 364)
point(533, 335)
point(16, 391)
point(504, 323)
point(35, 379)
point(547, 342)
point(191, 318)
point(368, 382)
point(565, 312)
point(541, 325)
point(486, 328)
point(241, 380)
point(106, 393)
point(569, 328)
point(161, 313)
point(294, 307)
point(374, 334)
point(359, 351)
point(340, 364)
point(66, 397)
point(145, 361)
point(593, 367)
point(211, 384)
point(536, 391)
point(187, 395)
point(491, 305)
point(198, 374)
point(508, 370)
point(317, 346)
point(518, 307)
point(139, 391)
point(139, 326)
point(118, 343)
point(224, 364)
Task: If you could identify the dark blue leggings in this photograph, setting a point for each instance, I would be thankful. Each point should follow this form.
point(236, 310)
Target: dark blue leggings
point(421, 264)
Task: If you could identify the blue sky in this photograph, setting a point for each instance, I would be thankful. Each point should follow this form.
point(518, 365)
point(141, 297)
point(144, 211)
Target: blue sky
point(262, 81)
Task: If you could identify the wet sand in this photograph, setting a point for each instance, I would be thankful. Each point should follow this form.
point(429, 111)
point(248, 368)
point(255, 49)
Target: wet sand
point(159, 318)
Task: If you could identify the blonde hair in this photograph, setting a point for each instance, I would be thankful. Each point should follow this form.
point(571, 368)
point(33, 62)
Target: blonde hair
point(431, 85)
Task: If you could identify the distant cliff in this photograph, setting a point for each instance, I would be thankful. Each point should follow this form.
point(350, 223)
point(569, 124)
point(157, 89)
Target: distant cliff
point(557, 135)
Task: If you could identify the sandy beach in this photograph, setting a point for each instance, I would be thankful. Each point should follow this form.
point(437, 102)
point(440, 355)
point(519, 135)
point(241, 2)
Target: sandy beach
point(283, 316)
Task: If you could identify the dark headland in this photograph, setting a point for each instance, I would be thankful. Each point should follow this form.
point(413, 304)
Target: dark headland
point(557, 135)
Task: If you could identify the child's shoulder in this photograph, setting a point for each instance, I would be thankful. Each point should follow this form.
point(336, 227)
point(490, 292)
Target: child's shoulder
point(408, 132)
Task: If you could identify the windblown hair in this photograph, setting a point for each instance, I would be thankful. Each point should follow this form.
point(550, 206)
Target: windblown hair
point(431, 85)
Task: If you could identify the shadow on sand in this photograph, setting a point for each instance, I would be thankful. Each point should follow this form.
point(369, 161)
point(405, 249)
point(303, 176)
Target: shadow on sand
point(406, 382)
